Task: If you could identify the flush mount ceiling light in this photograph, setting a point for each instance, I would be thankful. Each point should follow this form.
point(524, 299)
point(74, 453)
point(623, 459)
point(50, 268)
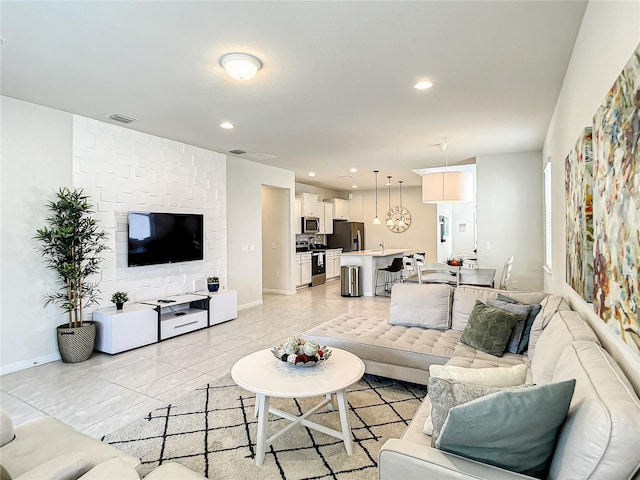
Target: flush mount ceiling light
point(227, 125)
point(240, 66)
point(423, 85)
point(447, 186)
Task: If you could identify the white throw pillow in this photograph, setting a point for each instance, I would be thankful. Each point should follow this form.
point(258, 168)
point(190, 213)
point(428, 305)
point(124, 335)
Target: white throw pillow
point(426, 306)
point(486, 377)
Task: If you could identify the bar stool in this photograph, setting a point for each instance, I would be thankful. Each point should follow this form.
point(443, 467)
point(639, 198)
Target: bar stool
point(392, 274)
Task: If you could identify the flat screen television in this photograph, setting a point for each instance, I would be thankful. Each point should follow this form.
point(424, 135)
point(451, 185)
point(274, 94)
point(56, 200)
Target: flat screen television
point(156, 238)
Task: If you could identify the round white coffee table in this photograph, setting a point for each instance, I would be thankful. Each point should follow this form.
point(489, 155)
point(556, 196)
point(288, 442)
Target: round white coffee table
point(263, 374)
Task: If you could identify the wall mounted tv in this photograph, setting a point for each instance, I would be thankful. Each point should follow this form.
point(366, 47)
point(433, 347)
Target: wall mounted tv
point(156, 238)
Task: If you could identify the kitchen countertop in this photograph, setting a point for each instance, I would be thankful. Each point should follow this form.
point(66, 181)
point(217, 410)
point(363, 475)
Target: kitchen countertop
point(378, 252)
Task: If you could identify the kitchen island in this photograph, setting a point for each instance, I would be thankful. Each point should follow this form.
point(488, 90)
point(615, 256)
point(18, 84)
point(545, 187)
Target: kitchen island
point(369, 261)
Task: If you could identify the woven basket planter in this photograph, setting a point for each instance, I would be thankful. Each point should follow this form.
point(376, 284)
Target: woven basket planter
point(76, 344)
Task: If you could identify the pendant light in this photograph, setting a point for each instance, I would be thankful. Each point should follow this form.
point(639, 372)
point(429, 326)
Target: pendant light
point(389, 220)
point(401, 222)
point(447, 186)
point(376, 221)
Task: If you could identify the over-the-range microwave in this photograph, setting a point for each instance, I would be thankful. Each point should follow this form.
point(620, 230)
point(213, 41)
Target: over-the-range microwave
point(310, 224)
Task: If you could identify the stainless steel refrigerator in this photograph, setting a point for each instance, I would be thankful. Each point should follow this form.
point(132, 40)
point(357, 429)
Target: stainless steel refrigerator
point(347, 235)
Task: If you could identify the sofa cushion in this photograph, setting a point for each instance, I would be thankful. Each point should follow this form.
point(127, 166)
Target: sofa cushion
point(515, 429)
point(120, 468)
point(565, 327)
point(6, 428)
point(487, 377)
point(446, 394)
point(550, 305)
point(465, 296)
point(535, 308)
point(374, 339)
point(600, 438)
point(427, 306)
point(518, 328)
point(489, 328)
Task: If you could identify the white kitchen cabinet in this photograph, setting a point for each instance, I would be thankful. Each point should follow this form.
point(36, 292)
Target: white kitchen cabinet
point(297, 216)
point(328, 264)
point(310, 204)
point(328, 218)
point(339, 208)
point(304, 268)
point(336, 262)
point(119, 330)
point(298, 261)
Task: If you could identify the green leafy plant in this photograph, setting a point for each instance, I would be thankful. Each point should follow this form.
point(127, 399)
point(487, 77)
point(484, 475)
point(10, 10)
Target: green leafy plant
point(119, 297)
point(213, 280)
point(71, 245)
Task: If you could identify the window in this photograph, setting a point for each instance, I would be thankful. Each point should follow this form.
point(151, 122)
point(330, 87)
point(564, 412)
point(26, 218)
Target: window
point(547, 216)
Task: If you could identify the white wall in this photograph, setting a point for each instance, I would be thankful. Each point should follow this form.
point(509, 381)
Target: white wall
point(275, 224)
point(124, 170)
point(36, 155)
point(421, 235)
point(509, 209)
point(463, 214)
point(244, 226)
point(609, 33)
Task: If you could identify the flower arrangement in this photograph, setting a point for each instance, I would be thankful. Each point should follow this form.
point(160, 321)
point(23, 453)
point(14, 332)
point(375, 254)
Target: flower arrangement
point(301, 352)
point(455, 262)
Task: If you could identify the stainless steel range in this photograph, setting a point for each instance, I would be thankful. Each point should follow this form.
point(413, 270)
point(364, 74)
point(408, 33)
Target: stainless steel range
point(318, 271)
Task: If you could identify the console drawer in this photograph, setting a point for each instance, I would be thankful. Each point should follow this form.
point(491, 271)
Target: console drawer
point(172, 325)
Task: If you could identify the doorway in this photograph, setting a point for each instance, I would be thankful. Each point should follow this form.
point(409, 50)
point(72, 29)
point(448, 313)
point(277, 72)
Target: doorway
point(276, 239)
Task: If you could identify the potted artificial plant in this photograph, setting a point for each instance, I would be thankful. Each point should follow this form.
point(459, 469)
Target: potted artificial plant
point(71, 244)
point(213, 283)
point(119, 298)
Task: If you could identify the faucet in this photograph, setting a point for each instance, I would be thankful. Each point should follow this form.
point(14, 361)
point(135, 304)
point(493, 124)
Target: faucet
point(382, 246)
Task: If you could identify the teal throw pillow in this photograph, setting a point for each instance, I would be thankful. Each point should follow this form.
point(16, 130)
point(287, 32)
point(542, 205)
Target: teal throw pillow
point(515, 429)
point(445, 394)
point(523, 346)
point(488, 329)
point(522, 311)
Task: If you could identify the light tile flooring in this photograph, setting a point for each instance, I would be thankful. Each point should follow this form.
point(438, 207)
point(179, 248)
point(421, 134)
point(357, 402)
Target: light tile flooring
point(109, 391)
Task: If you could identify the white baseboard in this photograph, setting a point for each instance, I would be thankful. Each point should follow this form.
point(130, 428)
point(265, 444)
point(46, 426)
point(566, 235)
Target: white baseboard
point(275, 291)
point(15, 367)
point(244, 306)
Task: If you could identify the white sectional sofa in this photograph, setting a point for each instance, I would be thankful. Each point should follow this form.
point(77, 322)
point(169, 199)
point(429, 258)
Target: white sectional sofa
point(600, 437)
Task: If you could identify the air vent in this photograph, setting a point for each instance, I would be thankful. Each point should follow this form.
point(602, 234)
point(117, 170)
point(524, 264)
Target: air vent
point(237, 151)
point(261, 156)
point(118, 117)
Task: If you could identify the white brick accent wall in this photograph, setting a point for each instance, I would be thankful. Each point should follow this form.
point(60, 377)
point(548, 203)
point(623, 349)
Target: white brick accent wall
point(124, 170)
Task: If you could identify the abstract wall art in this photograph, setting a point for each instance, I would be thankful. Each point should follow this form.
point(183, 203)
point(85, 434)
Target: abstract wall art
point(579, 216)
point(616, 204)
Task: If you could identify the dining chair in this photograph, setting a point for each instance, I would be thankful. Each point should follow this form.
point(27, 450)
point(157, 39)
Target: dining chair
point(506, 274)
point(439, 273)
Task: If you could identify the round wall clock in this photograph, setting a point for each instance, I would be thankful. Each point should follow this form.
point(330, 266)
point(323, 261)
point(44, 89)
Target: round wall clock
point(396, 214)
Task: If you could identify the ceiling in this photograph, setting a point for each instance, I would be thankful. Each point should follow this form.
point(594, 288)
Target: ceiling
point(336, 88)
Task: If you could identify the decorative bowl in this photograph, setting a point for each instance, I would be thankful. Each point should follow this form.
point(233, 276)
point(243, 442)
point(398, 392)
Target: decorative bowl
point(300, 353)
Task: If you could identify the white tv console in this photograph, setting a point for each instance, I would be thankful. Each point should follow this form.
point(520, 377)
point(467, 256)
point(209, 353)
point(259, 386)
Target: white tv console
point(152, 321)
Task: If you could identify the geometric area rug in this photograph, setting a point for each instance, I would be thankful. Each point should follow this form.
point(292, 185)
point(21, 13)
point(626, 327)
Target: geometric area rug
point(212, 431)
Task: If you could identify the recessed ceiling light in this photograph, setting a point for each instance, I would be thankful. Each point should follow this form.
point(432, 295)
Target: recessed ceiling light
point(423, 85)
point(312, 174)
point(353, 170)
point(227, 125)
point(240, 66)
point(354, 186)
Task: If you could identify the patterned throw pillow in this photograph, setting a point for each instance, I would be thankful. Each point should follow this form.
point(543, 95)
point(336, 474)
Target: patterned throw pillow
point(488, 329)
point(523, 346)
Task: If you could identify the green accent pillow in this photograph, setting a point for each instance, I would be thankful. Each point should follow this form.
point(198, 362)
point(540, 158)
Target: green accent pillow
point(488, 329)
point(523, 346)
point(515, 429)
